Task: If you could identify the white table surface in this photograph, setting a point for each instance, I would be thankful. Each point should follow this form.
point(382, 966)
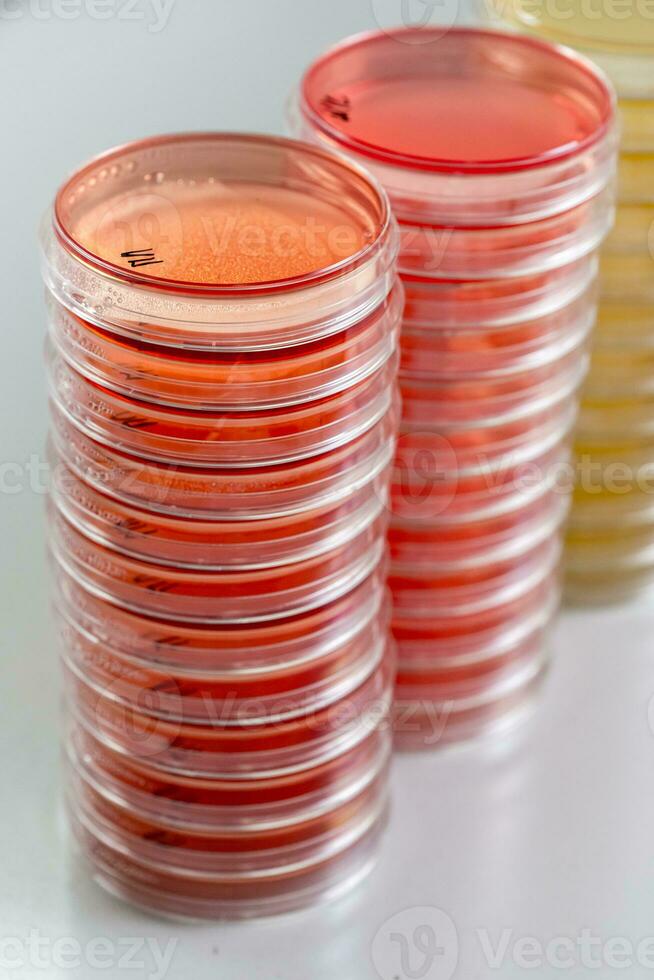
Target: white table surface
point(546, 835)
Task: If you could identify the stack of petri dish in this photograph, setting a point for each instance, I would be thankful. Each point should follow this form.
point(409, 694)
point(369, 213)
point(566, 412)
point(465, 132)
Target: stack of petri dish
point(222, 355)
point(498, 154)
point(610, 553)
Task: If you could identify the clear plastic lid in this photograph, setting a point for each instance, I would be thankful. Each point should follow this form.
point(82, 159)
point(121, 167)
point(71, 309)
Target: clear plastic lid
point(463, 448)
point(244, 805)
point(433, 603)
point(467, 127)
point(625, 324)
point(431, 482)
point(495, 351)
point(611, 422)
point(459, 689)
point(238, 596)
point(415, 626)
point(490, 709)
point(235, 828)
point(493, 401)
point(627, 278)
point(470, 544)
point(452, 655)
point(440, 253)
point(220, 242)
point(221, 439)
point(213, 379)
point(227, 494)
point(614, 515)
point(249, 655)
point(236, 851)
point(215, 544)
point(457, 564)
point(496, 302)
point(632, 231)
point(201, 695)
point(321, 870)
point(240, 751)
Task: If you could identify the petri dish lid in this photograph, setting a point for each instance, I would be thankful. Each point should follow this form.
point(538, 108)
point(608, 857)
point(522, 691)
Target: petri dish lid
point(465, 104)
point(630, 28)
point(616, 36)
point(220, 240)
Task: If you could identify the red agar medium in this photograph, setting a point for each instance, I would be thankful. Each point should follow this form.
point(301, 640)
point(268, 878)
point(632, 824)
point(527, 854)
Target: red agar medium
point(214, 293)
point(178, 210)
point(469, 101)
point(497, 153)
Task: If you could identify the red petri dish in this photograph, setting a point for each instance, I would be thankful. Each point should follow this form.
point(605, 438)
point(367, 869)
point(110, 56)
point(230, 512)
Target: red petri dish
point(267, 648)
point(235, 748)
point(224, 315)
point(424, 720)
point(442, 253)
point(477, 540)
point(495, 399)
point(481, 305)
point(219, 544)
point(498, 154)
point(195, 847)
point(478, 127)
point(495, 350)
point(265, 799)
point(491, 604)
point(196, 694)
point(200, 438)
point(196, 379)
point(320, 871)
point(237, 595)
point(220, 242)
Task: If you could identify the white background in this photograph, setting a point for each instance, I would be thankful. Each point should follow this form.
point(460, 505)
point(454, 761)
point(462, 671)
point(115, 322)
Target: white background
point(544, 835)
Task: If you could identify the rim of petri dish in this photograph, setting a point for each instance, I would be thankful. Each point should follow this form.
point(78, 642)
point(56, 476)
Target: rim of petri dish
point(528, 17)
point(141, 157)
point(387, 51)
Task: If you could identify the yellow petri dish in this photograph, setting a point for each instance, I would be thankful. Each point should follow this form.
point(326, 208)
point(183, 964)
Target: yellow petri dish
point(617, 35)
point(637, 117)
point(636, 178)
point(627, 276)
point(625, 324)
point(606, 24)
point(633, 230)
point(614, 370)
